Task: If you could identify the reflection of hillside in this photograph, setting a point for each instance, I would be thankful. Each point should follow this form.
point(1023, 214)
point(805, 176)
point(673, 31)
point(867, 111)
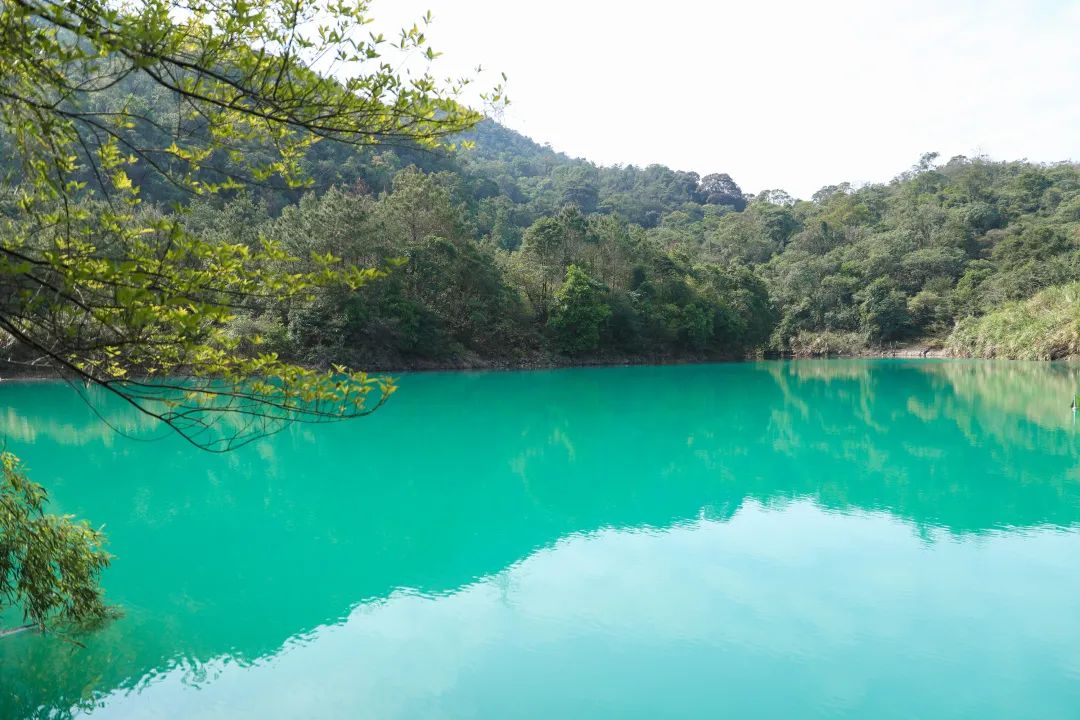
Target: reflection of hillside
point(897, 437)
point(1039, 392)
point(824, 370)
point(33, 412)
point(462, 475)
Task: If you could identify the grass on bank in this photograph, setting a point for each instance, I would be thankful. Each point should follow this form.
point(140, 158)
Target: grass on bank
point(1046, 326)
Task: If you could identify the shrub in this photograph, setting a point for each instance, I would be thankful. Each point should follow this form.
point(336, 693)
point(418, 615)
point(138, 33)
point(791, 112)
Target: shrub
point(1043, 327)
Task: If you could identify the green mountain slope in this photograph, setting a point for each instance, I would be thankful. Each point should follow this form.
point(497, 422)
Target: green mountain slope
point(666, 263)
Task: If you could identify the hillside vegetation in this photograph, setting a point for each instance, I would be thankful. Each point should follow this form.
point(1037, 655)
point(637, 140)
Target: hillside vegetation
point(662, 263)
point(506, 252)
point(1043, 327)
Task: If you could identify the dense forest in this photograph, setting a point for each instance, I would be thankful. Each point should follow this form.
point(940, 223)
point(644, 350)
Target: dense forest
point(507, 251)
point(500, 251)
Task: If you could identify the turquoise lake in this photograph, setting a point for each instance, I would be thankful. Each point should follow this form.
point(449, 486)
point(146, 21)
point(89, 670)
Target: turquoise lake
point(820, 539)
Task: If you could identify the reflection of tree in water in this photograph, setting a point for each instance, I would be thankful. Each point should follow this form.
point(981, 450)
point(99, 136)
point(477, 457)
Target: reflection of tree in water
point(26, 415)
point(1038, 392)
point(861, 435)
point(845, 377)
point(463, 475)
point(954, 444)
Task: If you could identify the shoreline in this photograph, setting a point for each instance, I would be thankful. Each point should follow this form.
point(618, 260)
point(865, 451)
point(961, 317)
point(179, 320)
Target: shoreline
point(9, 373)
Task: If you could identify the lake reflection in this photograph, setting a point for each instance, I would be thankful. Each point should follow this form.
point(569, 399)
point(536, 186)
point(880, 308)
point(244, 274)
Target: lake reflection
point(865, 538)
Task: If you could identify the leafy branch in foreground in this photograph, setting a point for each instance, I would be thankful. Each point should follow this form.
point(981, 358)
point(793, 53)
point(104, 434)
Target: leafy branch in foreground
point(140, 307)
point(106, 291)
point(49, 564)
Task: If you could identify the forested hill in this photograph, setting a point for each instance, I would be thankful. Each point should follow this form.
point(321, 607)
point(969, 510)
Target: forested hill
point(515, 250)
point(502, 174)
point(505, 251)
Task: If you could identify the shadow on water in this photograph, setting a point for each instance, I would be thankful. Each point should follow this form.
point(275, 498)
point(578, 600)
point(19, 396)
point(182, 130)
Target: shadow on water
point(463, 475)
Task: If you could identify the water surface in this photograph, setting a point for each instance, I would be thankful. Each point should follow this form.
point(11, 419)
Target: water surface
point(886, 539)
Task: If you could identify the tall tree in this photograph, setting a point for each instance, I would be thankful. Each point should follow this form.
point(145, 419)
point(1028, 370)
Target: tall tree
point(579, 311)
point(720, 189)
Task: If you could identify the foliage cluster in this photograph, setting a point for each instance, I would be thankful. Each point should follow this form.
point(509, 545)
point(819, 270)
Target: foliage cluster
point(49, 564)
point(1043, 327)
point(576, 285)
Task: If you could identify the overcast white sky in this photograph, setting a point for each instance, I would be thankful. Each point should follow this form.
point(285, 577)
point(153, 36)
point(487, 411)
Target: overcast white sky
point(781, 94)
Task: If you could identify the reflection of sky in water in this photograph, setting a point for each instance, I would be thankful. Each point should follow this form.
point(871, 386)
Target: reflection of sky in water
point(772, 613)
point(886, 539)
